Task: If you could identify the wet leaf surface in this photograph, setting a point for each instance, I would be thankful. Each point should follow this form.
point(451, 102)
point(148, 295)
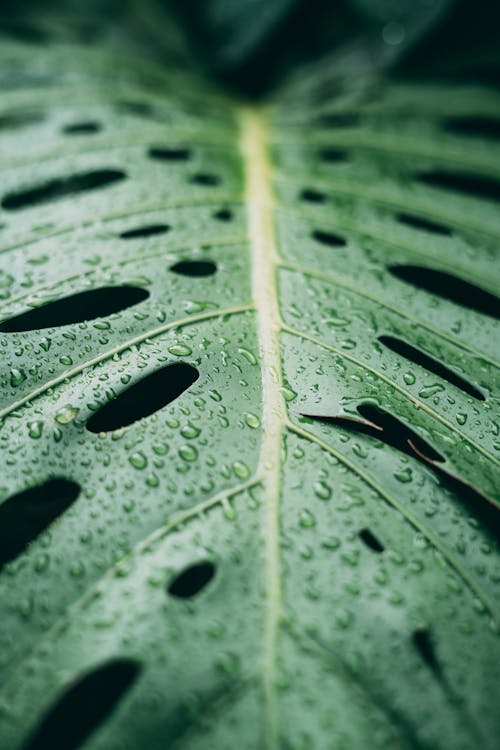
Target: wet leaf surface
point(235, 571)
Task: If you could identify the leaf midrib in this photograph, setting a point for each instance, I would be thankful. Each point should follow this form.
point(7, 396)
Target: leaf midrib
point(264, 255)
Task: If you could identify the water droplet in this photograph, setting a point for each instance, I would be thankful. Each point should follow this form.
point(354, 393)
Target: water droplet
point(241, 470)
point(138, 460)
point(306, 519)
point(180, 350)
point(322, 490)
point(404, 476)
point(430, 390)
point(66, 414)
point(249, 356)
point(461, 418)
point(35, 429)
point(252, 420)
point(17, 377)
point(188, 453)
point(190, 431)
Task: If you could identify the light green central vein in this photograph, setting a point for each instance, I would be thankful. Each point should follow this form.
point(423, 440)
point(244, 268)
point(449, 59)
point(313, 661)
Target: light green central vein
point(254, 146)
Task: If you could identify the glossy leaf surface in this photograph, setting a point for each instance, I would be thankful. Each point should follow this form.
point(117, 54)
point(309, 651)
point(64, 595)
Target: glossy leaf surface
point(299, 547)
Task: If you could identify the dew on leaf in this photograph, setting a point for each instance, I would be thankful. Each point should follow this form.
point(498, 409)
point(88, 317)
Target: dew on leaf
point(180, 350)
point(138, 460)
point(307, 519)
point(322, 490)
point(17, 377)
point(35, 429)
point(66, 414)
point(188, 453)
point(241, 470)
point(252, 420)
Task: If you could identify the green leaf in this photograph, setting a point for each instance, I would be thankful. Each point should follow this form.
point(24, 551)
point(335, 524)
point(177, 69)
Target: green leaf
point(287, 536)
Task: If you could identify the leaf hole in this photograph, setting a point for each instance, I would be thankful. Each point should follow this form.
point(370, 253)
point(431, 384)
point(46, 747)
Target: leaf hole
point(425, 647)
point(23, 31)
point(194, 267)
point(192, 580)
point(76, 308)
point(14, 120)
point(25, 515)
point(140, 109)
point(339, 120)
point(80, 128)
point(417, 222)
point(417, 356)
point(449, 287)
point(397, 434)
point(383, 426)
point(147, 231)
point(328, 238)
point(61, 187)
point(371, 541)
point(462, 182)
point(483, 127)
point(169, 154)
point(223, 215)
point(312, 196)
point(84, 706)
point(333, 155)
point(204, 178)
point(145, 397)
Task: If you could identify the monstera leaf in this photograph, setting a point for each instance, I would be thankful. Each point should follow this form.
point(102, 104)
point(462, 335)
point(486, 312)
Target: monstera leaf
point(249, 438)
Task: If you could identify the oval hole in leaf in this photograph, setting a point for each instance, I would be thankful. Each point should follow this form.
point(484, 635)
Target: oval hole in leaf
point(78, 128)
point(192, 580)
point(142, 399)
point(482, 127)
point(76, 308)
point(223, 215)
point(194, 267)
point(84, 706)
point(425, 647)
point(169, 154)
point(61, 187)
point(450, 287)
point(19, 119)
point(312, 196)
point(23, 31)
point(339, 120)
point(371, 540)
point(417, 356)
point(463, 182)
point(141, 109)
point(206, 179)
point(417, 222)
point(25, 515)
point(146, 231)
point(333, 155)
point(328, 238)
